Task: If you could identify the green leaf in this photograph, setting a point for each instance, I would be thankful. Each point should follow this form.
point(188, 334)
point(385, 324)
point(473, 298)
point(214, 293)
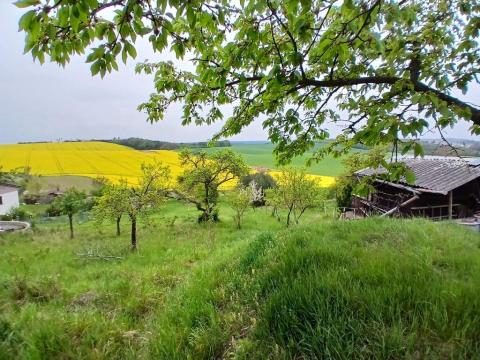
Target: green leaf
point(95, 68)
point(26, 3)
point(410, 176)
point(93, 4)
point(24, 22)
point(191, 17)
point(418, 150)
point(130, 49)
point(124, 55)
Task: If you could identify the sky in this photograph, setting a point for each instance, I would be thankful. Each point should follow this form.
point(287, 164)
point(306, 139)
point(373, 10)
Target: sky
point(49, 103)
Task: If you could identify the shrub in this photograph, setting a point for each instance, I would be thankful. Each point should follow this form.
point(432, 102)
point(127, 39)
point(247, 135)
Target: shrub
point(53, 210)
point(258, 182)
point(31, 199)
point(240, 200)
point(19, 214)
point(263, 179)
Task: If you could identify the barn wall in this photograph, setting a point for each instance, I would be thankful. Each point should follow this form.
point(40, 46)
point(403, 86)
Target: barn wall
point(386, 197)
point(9, 201)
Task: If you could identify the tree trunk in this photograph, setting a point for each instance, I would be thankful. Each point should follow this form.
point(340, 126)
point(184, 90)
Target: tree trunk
point(207, 203)
point(238, 220)
point(118, 225)
point(70, 222)
point(288, 217)
point(134, 234)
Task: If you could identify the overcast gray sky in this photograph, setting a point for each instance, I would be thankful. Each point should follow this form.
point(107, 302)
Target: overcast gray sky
point(50, 103)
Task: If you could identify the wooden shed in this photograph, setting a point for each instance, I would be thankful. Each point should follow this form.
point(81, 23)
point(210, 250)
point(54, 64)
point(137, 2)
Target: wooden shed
point(443, 189)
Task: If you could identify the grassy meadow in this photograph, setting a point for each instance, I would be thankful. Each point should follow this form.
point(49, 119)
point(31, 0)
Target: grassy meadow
point(368, 289)
point(261, 155)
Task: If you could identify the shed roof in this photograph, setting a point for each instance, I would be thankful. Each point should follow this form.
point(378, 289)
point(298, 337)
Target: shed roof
point(434, 175)
point(4, 189)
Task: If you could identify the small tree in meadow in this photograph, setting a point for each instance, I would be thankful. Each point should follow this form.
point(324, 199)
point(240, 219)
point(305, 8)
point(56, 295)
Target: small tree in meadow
point(240, 200)
point(296, 193)
point(112, 204)
point(70, 203)
point(203, 175)
point(137, 201)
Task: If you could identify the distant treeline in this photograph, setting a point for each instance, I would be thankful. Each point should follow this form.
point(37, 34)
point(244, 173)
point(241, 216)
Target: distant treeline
point(145, 144)
point(454, 148)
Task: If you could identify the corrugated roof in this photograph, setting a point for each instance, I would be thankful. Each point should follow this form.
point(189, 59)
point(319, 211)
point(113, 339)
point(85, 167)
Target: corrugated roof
point(438, 175)
point(6, 189)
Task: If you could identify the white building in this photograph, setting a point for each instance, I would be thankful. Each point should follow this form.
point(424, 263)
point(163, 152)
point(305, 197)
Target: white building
point(8, 198)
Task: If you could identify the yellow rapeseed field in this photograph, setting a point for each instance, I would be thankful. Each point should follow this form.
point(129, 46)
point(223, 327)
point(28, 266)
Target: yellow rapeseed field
point(93, 159)
point(323, 181)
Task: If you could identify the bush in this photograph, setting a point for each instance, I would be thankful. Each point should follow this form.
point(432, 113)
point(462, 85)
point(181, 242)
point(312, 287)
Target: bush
point(263, 179)
point(19, 214)
point(343, 193)
point(53, 210)
point(259, 182)
point(31, 199)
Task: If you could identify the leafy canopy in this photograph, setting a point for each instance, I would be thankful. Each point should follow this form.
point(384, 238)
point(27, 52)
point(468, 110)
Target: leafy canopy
point(204, 173)
point(135, 201)
point(385, 71)
point(141, 199)
point(296, 192)
point(112, 204)
point(240, 199)
point(71, 202)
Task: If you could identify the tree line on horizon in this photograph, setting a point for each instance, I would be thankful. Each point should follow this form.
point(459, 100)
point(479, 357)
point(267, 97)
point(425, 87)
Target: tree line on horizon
point(146, 144)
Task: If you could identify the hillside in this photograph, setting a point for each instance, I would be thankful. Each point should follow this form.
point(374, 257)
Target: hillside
point(113, 161)
point(366, 289)
point(91, 159)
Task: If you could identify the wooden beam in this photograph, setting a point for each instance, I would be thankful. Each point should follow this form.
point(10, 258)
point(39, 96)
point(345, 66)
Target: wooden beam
point(450, 204)
point(405, 203)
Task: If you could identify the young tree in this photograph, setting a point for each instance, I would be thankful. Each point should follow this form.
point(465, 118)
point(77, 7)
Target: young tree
point(347, 183)
point(112, 204)
point(395, 67)
point(203, 175)
point(240, 200)
point(70, 203)
point(140, 200)
point(296, 193)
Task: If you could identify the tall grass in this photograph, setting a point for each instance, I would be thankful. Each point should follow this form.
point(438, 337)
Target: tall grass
point(370, 289)
point(365, 289)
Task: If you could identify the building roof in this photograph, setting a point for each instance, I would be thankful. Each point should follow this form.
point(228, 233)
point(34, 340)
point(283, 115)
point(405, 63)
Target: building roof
point(434, 175)
point(4, 189)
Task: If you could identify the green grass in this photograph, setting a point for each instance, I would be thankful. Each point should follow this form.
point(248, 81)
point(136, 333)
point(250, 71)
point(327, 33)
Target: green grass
point(262, 155)
point(367, 289)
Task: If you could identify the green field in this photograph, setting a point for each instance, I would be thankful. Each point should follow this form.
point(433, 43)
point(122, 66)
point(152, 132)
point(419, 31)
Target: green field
point(262, 155)
point(369, 289)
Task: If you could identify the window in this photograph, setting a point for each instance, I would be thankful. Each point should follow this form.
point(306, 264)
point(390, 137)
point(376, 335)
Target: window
point(1, 201)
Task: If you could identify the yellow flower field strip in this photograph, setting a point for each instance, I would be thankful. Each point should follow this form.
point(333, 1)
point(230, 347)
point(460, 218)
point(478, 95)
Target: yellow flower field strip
point(96, 159)
point(324, 181)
